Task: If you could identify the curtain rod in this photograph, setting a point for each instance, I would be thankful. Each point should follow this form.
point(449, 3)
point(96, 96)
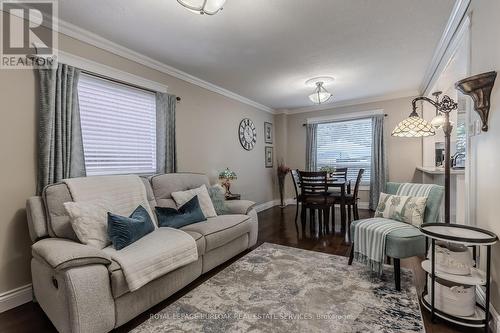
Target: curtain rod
point(32, 56)
point(325, 122)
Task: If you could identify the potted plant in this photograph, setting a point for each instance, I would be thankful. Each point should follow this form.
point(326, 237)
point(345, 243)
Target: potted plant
point(328, 169)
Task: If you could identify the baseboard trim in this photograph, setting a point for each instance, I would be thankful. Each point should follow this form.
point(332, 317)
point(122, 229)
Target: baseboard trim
point(15, 297)
point(290, 201)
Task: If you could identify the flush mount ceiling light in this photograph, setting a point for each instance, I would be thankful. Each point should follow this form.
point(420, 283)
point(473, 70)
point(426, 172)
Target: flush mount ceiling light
point(209, 7)
point(320, 94)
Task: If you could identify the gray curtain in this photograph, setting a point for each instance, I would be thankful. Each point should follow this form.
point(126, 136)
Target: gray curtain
point(166, 153)
point(60, 146)
point(378, 175)
point(311, 146)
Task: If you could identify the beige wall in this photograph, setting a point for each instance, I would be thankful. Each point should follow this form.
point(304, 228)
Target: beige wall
point(403, 154)
point(206, 135)
point(484, 150)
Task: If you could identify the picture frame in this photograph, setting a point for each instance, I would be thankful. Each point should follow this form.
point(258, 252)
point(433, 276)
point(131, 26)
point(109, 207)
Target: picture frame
point(268, 156)
point(268, 132)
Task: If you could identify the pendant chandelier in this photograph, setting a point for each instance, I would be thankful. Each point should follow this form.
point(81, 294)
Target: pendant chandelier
point(320, 94)
point(209, 7)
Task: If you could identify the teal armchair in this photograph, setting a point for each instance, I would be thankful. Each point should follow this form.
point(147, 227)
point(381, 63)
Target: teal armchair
point(407, 243)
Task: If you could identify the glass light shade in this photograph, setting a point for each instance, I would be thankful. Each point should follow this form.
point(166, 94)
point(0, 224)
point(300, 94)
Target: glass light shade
point(413, 127)
point(438, 121)
point(320, 97)
point(320, 94)
point(209, 7)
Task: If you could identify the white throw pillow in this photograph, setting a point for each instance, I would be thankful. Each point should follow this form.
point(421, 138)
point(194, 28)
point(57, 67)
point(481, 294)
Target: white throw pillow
point(206, 204)
point(90, 222)
point(401, 208)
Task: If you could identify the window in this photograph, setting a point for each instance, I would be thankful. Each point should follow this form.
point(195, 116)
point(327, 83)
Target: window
point(118, 127)
point(346, 144)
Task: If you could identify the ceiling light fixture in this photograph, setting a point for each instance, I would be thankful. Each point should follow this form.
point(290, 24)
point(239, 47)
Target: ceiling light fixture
point(209, 7)
point(320, 94)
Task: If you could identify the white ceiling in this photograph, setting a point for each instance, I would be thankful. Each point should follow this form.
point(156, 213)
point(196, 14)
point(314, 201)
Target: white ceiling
point(265, 50)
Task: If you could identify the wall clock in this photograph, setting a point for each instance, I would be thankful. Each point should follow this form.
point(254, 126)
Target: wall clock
point(247, 134)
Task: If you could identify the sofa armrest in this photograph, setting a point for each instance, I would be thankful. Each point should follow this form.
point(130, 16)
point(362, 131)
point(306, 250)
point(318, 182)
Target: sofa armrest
point(61, 254)
point(240, 206)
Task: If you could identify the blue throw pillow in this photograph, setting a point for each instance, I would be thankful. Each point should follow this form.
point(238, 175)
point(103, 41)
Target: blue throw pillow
point(123, 231)
point(189, 213)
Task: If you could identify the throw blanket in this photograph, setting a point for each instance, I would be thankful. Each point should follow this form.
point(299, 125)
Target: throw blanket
point(120, 193)
point(369, 241)
point(154, 255)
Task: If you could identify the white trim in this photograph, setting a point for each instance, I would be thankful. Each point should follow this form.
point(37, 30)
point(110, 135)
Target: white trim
point(458, 12)
point(351, 102)
point(266, 205)
point(345, 116)
point(15, 297)
point(459, 34)
point(111, 72)
point(88, 37)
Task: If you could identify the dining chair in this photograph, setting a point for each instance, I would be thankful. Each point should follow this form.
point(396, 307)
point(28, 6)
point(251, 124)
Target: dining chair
point(296, 185)
point(351, 200)
point(340, 173)
point(315, 196)
point(405, 243)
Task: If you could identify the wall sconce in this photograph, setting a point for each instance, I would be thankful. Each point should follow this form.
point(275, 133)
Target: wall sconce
point(479, 87)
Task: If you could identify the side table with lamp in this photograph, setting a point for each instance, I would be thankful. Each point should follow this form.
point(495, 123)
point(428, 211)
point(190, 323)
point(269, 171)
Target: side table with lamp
point(226, 177)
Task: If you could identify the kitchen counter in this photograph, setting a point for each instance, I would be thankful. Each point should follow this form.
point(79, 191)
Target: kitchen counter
point(440, 171)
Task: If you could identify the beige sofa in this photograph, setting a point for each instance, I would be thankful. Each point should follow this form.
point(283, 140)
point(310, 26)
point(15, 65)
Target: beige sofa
point(81, 289)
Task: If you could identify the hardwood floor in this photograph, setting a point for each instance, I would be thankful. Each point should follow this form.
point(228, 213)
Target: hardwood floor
point(275, 226)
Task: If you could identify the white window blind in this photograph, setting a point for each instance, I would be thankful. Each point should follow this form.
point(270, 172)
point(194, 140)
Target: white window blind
point(346, 144)
point(118, 127)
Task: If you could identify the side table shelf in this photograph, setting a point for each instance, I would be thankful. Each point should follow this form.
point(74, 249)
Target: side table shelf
point(468, 236)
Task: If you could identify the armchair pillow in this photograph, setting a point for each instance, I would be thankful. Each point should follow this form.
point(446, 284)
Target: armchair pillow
point(124, 231)
point(401, 208)
point(205, 202)
point(189, 213)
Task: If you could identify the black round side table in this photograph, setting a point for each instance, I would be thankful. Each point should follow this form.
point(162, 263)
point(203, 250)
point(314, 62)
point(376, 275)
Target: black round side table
point(470, 237)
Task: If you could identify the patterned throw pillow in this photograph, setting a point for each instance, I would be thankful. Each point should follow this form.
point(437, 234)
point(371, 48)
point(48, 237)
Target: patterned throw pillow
point(206, 204)
point(218, 196)
point(401, 208)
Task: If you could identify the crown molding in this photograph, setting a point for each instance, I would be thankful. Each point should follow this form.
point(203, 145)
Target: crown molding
point(459, 11)
point(351, 102)
point(88, 37)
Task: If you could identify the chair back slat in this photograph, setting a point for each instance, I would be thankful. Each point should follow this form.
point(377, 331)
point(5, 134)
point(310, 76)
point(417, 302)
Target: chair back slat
point(313, 183)
point(340, 173)
point(358, 182)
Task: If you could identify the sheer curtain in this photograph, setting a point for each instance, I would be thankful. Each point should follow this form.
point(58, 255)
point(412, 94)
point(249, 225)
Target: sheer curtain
point(60, 147)
point(378, 175)
point(311, 146)
point(165, 133)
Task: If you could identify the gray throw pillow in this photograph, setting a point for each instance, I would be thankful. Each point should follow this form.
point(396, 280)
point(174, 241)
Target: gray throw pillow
point(218, 196)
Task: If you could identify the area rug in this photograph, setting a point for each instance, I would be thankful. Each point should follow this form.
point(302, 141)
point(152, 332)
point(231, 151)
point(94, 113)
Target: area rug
point(282, 289)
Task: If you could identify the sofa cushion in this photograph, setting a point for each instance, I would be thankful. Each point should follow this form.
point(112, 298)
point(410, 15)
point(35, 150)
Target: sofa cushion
point(222, 229)
point(58, 220)
point(163, 186)
point(119, 285)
